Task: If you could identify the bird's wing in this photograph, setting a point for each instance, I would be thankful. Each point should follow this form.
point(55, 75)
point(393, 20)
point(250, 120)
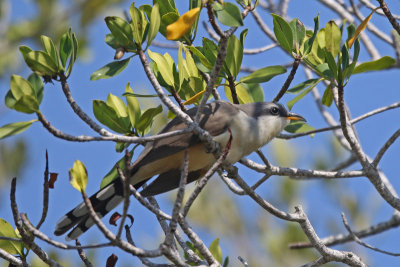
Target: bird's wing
point(215, 119)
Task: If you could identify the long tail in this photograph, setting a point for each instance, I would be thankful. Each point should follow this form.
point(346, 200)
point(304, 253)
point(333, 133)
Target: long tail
point(103, 202)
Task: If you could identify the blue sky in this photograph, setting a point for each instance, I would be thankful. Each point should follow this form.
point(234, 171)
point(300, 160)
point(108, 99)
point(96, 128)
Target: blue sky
point(364, 93)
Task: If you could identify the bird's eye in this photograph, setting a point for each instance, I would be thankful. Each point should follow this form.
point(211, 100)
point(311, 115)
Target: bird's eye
point(274, 111)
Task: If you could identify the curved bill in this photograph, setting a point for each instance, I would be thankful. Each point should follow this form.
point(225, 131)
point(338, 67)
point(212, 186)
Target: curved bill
point(294, 117)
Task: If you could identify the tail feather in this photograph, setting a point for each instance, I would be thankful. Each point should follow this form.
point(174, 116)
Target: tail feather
point(102, 201)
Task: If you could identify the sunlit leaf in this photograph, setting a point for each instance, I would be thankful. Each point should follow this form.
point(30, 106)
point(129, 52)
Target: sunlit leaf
point(264, 74)
point(302, 94)
point(50, 48)
point(121, 30)
point(133, 106)
point(12, 247)
point(14, 128)
point(380, 64)
point(283, 33)
point(110, 70)
point(215, 250)
point(299, 127)
point(163, 66)
point(147, 117)
point(108, 116)
point(332, 38)
point(37, 85)
point(20, 87)
point(41, 62)
point(27, 104)
point(327, 98)
point(78, 176)
point(228, 14)
point(155, 21)
point(117, 104)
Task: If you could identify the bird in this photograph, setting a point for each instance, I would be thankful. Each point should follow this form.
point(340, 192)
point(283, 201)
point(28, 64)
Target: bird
point(246, 126)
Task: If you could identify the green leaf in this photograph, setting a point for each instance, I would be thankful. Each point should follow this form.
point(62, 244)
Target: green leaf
point(37, 85)
point(226, 261)
point(147, 117)
point(191, 65)
point(296, 89)
point(331, 64)
point(332, 38)
point(255, 91)
point(264, 74)
point(137, 23)
point(234, 51)
point(241, 92)
point(201, 57)
point(10, 100)
point(27, 104)
point(302, 94)
point(380, 64)
point(110, 70)
point(66, 47)
point(21, 87)
point(133, 106)
point(166, 20)
point(108, 116)
point(121, 30)
point(182, 67)
point(299, 127)
point(215, 250)
point(14, 128)
point(299, 33)
point(11, 247)
point(228, 14)
point(243, 35)
point(283, 33)
point(210, 50)
point(24, 50)
point(163, 66)
point(310, 42)
point(327, 98)
point(50, 48)
point(78, 176)
point(155, 21)
point(325, 71)
point(41, 62)
point(117, 105)
point(113, 173)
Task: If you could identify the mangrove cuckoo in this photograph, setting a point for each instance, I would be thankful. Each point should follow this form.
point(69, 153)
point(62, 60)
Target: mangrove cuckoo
point(247, 126)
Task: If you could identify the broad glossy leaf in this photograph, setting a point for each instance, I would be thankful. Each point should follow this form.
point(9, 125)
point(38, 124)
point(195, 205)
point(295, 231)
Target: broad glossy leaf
point(121, 30)
point(20, 87)
point(302, 94)
point(37, 85)
point(27, 104)
point(299, 33)
point(163, 66)
point(182, 67)
point(133, 106)
point(255, 91)
point(310, 42)
point(155, 22)
point(264, 74)
point(235, 55)
point(241, 92)
point(283, 33)
point(110, 70)
point(110, 40)
point(215, 250)
point(41, 62)
point(181, 26)
point(166, 6)
point(14, 128)
point(24, 50)
point(147, 117)
point(331, 63)
point(191, 65)
point(332, 38)
point(66, 47)
point(107, 116)
point(228, 14)
point(203, 59)
point(325, 71)
point(298, 88)
point(137, 24)
point(11, 247)
point(118, 105)
point(380, 64)
point(78, 176)
point(9, 99)
point(50, 48)
point(299, 127)
point(327, 98)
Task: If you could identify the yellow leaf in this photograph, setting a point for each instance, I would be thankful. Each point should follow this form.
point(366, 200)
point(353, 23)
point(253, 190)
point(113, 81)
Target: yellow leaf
point(177, 29)
point(78, 176)
point(361, 27)
point(194, 98)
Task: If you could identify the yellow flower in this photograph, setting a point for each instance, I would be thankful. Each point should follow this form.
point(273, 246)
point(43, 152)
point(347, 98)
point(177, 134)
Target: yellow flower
point(180, 27)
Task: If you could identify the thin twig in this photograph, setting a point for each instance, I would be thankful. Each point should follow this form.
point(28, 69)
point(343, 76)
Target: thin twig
point(289, 79)
point(389, 15)
point(82, 254)
point(125, 181)
point(358, 240)
point(232, 87)
point(45, 193)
